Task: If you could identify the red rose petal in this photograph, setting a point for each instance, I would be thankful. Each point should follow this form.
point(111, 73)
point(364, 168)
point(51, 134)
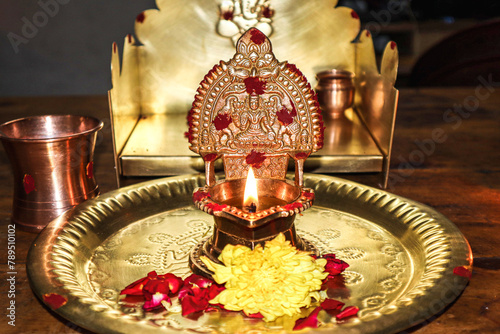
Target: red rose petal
point(254, 85)
point(188, 135)
point(308, 195)
point(200, 195)
point(227, 15)
point(222, 121)
point(152, 274)
point(332, 304)
point(184, 291)
point(131, 299)
point(255, 159)
point(301, 155)
point(462, 271)
point(215, 206)
point(334, 266)
point(90, 170)
point(210, 157)
point(54, 300)
point(335, 287)
point(284, 117)
point(349, 311)
point(154, 302)
point(310, 321)
point(294, 69)
point(354, 15)
point(393, 45)
point(200, 281)
point(28, 183)
point(267, 12)
point(254, 315)
point(293, 206)
point(191, 304)
point(140, 18)
point(173, 282)
point(135, 288)
point(214, 290)
point(257, 36)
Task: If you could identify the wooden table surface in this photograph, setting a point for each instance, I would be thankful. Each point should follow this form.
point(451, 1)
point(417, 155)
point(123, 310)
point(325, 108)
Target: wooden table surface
point(458, 175)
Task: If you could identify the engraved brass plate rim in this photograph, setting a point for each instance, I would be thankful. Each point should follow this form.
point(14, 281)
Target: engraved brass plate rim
point(59, 258)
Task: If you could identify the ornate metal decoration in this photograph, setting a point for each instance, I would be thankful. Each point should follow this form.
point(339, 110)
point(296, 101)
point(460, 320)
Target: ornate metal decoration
point(237, 16)
point(255, 110)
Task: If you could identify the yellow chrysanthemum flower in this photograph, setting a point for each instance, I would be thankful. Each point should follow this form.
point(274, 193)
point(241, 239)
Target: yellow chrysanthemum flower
point(274, 281)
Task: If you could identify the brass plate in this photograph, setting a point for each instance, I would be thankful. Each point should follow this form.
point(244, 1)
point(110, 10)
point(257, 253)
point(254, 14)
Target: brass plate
point(402, 254)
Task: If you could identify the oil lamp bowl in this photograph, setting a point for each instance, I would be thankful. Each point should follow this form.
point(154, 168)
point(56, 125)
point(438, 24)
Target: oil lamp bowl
point(279, 202)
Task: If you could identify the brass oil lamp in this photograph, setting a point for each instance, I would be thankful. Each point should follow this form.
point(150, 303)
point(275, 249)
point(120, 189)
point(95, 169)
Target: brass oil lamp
point(254, 113)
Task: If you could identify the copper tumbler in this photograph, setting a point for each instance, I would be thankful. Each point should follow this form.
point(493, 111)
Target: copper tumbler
point(335, 90)
point(52, 162)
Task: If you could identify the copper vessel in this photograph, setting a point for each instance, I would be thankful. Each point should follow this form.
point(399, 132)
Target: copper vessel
point(52, 162)
point(335, 90)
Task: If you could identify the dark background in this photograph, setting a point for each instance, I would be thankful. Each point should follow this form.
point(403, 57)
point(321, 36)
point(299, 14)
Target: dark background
point(70, 53)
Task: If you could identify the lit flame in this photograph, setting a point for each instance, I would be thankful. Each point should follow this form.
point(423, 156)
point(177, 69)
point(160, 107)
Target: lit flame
point(250, 195)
